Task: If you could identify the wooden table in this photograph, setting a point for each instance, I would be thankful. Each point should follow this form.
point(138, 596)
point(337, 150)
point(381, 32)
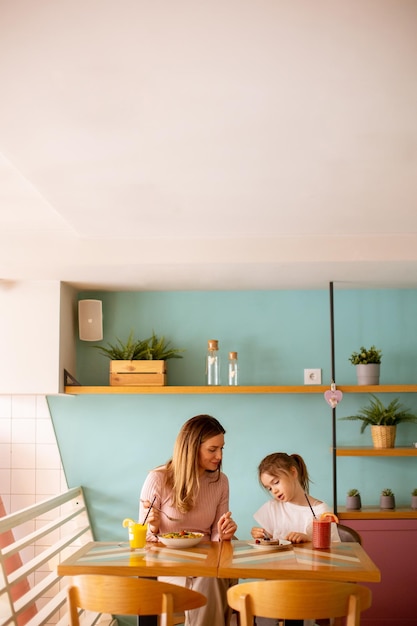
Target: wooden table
point(343, 561)
point(154, 560)
point(229, 559)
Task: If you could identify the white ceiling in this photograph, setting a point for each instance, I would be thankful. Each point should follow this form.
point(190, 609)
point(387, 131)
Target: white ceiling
point(217, 144)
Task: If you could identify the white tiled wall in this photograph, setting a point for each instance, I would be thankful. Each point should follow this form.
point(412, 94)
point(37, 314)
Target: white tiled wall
point(30, 465)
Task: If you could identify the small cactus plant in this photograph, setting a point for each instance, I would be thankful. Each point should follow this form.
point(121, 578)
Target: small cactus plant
point(353, 500)
point(387, 499)
point(365, 356)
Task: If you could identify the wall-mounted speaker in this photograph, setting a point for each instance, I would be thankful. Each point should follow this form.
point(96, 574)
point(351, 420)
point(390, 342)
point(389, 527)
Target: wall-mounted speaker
point(90, 320)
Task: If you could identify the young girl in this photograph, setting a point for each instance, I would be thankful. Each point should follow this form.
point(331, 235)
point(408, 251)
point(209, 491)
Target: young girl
point(193, 491)
point(288, 514)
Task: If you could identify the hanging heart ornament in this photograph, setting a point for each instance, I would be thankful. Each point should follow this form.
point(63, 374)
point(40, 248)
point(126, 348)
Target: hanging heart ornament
point(333, 397)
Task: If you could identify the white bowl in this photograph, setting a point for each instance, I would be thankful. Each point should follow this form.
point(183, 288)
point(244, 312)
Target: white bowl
point(181, 542)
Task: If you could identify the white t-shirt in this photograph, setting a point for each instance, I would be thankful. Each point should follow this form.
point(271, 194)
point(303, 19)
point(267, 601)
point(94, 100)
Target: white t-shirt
point(281, 518)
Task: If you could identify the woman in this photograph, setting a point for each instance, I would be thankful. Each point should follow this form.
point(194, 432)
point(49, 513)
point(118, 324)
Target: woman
point(192, 493)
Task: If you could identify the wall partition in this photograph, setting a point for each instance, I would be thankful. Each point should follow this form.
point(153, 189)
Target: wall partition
point(109, 442)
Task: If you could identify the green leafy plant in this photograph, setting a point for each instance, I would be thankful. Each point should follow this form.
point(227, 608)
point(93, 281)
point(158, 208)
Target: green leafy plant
point(353, 492)
point(387, 492)
point(414, 492)
point(366, 356)
point(155, 348)
point(376, 414)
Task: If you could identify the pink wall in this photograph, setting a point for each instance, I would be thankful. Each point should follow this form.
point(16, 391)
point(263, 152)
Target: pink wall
point(392, 545)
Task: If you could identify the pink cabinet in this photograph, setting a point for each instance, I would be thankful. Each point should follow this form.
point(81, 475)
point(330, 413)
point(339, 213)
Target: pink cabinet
point(392, 545)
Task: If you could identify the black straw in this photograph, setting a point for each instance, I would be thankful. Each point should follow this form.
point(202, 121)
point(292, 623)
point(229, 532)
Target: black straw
point(149, 510)
point(309, 504)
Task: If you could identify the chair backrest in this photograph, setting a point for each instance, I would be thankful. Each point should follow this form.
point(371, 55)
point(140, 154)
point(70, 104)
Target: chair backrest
point(122, 595)
point(348, 534)
point(299, 599)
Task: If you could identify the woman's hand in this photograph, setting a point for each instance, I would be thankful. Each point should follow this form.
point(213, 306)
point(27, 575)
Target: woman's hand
point(260, 533)
point(153, 520)
point(226, 527)
point(297, 537)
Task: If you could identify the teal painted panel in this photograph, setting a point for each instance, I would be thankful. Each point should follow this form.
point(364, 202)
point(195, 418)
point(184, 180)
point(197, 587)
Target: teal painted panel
point(385, 318)
point(109, 443)
point(266, 328)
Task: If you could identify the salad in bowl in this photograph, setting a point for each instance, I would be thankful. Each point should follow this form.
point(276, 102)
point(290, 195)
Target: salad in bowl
point(181, 539)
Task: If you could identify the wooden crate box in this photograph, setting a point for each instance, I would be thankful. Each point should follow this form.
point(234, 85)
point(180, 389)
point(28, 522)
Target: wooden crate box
point(138, 373)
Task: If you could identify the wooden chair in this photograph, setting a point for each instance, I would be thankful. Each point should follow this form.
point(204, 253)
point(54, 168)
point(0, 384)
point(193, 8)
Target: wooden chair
point(122, 595)
point(348, 534)
point(299, 599)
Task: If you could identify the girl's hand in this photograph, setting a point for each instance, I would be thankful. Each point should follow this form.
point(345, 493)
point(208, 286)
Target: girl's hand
point(260, 533)
point(297, 537)
point(226, 527)
point(153, 520)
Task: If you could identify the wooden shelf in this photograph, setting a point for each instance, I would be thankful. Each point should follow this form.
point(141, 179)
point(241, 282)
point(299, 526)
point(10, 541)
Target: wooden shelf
point(369, 512)
point(378, 388)
point(240, 389)
point(365, 451)
point(198, 389)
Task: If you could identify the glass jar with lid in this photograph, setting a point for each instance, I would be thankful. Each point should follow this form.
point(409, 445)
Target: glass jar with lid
point(213, 362)
point(233, 369)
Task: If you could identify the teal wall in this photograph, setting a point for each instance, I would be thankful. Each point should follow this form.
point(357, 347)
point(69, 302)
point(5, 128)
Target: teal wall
point(109, 442)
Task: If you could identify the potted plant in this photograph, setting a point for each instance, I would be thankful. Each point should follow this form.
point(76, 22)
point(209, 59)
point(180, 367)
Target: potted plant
point(368, 365)
point(383, 420)
point(139, 361)
point(414, 499)
point(353, 500)
point(387, 499)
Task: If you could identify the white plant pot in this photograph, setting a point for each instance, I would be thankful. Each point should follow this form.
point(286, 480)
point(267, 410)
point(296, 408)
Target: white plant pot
point(368, 374)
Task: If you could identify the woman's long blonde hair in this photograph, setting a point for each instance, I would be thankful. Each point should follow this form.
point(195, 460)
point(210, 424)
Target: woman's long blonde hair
point(182, 471)
point(281, 463)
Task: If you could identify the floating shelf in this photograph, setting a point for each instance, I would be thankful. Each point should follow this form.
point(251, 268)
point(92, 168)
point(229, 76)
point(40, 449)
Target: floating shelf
point(365, 451)
point(376, 512)
point(198, 389)
point(378, 388)
point(240, 389)
point(369, 512)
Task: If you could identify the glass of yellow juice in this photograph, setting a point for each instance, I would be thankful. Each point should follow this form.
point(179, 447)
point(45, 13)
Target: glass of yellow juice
point(137, 535)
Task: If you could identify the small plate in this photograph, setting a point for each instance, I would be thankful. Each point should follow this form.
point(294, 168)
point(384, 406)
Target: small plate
point(271, 545)
point(181, 542)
